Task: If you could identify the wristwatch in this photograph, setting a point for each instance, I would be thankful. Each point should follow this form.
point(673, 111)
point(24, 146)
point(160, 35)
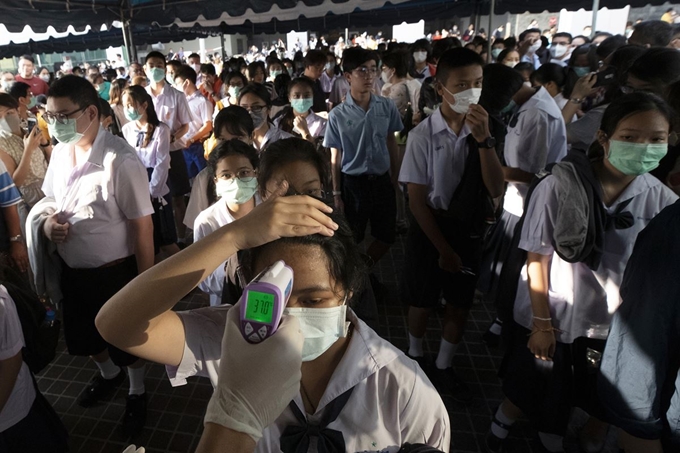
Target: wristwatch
point(489, 142)
point(16, 238)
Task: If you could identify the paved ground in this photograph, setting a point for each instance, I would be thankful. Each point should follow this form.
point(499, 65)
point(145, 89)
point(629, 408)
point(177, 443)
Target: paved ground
point(175, 414)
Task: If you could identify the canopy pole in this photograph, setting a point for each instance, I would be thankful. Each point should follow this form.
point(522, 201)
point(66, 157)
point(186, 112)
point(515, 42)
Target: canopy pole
point(492, 11)
point(224, 47)
point(126, 40)
point(133, 49)
point(596, 7)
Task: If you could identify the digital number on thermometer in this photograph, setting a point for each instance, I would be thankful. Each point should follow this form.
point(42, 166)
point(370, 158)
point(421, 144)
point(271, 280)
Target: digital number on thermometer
point(259, 307)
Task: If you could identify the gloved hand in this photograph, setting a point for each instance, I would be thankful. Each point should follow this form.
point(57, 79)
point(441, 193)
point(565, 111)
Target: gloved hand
point(256, 381)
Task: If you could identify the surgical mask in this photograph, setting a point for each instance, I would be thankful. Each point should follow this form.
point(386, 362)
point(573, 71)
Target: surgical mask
point(290, 71)
point(510, 64)
point(386, 76)
point(328, 66)
point(45, 78)
point(5, 125)
point(104, 87)
point(32, 103)
point(558, 50)
point(168, 78)
point(535, 46)
point(509, 108)
point(236, 191)
point(581, 70)
point(6, 85)
point(321, 328)
point(67, 133)
point(464, 99)
point(197, 68)
point(132, 114)
point(302, 105)
point(275, 74)
point(420, 56)
point(155, 74)
point(234, 91)
point(259, 118)
point(495, 53)
point(636, 158)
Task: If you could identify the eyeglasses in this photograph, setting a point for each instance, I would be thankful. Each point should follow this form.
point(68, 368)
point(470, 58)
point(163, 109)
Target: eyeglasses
point(61, 118)
point(245, 175)
point(254, 108)
point(367, 72)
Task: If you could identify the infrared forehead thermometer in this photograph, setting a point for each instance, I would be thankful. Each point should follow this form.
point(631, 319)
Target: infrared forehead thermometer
point(263, 301)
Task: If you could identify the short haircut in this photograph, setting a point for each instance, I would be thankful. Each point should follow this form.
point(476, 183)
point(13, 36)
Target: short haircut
point(444, 44)
point(186, 72)
point(563, 34)
point(550, 72)
point(609, 45)
point(258, 90)
point(27, 57)
point(656, 33)
point(315, 58)
point(231, 75)
point(454, 59)
point(422, 44)
point(397, 60)
point(500, 84)
point(154, 54)
point(19, 90)
point(194, 55)
point(524, 66)
point(659, 66)
point(526, 32)
point(8, 101)
point(75, 89)
point(208, 69)
point(176, 64)
point(235, 119)
point(354, 57)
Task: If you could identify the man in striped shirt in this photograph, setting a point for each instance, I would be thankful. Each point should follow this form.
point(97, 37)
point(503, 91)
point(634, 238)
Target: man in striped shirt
point(12, 244)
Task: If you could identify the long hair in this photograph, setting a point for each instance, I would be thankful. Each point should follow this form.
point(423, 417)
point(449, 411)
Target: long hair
point(140, 96)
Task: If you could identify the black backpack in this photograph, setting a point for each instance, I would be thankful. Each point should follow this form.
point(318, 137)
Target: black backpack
point(41, 339)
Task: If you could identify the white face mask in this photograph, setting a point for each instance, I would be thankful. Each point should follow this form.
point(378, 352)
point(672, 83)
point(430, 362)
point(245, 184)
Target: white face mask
point(535, 46)
point(464, 99)
point(386, 76)
point(321, 327)
point(420, 56)
point(45, 77)
point(558, 50)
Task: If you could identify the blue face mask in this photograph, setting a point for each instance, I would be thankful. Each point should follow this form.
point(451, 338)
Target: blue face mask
point(302, 105)
point(509, 108)
point(581, 70)
point(132, 114)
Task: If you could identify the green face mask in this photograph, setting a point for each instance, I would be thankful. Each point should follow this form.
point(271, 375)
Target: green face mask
point(636, 158)
point(156, 74)
point(275, 74)
point(32, 103)
point(66, 133)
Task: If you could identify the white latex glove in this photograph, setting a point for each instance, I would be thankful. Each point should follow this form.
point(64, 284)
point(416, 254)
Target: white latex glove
point(256, 381)
point(133, 449)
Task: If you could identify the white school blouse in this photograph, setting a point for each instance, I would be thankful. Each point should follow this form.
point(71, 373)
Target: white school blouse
point(172, 108)
point(155, 155)
point(393, 401)
point(583, 301)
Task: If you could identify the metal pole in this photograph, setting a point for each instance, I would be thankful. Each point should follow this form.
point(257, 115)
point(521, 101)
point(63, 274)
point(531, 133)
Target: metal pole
point(492, 10)
point(224, 47)
point(126, 41)
point(133, 49)
point(596, 7)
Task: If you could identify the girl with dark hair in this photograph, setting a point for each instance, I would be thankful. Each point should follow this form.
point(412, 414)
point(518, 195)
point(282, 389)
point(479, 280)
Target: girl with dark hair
point(256, 72)
point(255, 98)
point(233, 167)
point(116, 101)
point(509, 57)
point(232, 84)
point(151, 140)
point(552, 77)
point(397, 86)
point(299, 119)
point(281, 84)
point(568, 289)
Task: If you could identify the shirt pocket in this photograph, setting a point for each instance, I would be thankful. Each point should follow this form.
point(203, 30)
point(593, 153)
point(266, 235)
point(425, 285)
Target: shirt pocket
point(164, 113)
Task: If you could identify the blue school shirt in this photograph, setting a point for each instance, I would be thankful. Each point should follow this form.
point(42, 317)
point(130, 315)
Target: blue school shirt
point(362, 135)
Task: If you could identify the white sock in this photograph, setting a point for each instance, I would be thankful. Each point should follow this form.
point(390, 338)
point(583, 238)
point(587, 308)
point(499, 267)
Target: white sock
point(497, 429)
point(496, 327)
point(136, 380)
point(552, 442)
point(415, 348)
point(446, 353)
point(108, 369)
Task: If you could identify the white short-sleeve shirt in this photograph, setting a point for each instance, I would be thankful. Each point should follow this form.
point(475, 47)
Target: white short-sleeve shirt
point(98, 198)
point(201, 113)
point(11, 342)
point(315, 124)
point(393, 402)
point(155, 155)
point(583, 301)
point(435, 157)
point(274, 134)
point(536, 137)
point(172, 108)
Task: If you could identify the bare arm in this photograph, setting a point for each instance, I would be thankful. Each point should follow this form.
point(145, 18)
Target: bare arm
point(181, 132)
point(542, 342)
point(336, 167)
point(203, 132)
point(17, 249)
point(492, 171)
point(9, 370)
point(395, 163)
point(417, 202)
point(513, 174)
point(142, 232)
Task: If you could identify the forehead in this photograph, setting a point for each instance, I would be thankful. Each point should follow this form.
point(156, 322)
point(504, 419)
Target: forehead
point(473, 72)
point(297, 174)
point(308, 261)
point(233, 162)
point(156, 61)
point(61, 105)
point(650, 121)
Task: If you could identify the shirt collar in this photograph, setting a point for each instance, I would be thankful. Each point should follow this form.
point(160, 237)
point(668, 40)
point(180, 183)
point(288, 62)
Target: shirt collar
point(438, 124)
point(542, 101)
point(349, 100)
point(98, 148)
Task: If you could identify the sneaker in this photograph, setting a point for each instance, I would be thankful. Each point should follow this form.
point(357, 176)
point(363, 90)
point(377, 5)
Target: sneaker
point(99, 389)
point(493, 444)
point(135, 415)
point(491, 339)
point(448, 379)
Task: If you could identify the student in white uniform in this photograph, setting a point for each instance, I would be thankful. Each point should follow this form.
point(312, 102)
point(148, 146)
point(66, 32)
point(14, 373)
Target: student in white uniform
point(151, 140)
point(233, 166)
point(552, 77)
point(383, 398)
point(299, 119)
point(103, 233)
point(255, 98)
point(172, 109)
point(564, 309)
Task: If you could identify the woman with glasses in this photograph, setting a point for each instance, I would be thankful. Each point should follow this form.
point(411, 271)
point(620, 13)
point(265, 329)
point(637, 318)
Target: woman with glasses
point(233, 167)
point(255, 98)
point(151, 140)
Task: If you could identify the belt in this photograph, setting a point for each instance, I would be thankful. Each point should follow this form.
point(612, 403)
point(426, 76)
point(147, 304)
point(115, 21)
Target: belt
point(113, 263)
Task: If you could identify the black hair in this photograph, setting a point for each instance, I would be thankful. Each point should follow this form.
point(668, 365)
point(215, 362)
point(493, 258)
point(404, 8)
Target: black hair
point(526, 32)
point(208, 68)
point(253, 67)
point(300, 81)
point(656, 33)
point(398, 61)
point(285, 151)
point(510, 43)
point(193, 55)
point(623, 58)
point(659, 66)
point(140, 96)
point(422, 44)
point(354, 57)
point(233, 147)
point(186, 72)
point(344, 262)
point(235, 119)
point(314, 58)
point(281, 83)
point(154, 54)
point(609, 45)
point(584, 38)
point(504, 54)
point(586, 49)
point(176, 64)
point(226, 77)
point(550, 72)
point(19, 90)
point(444, 44)
point(563, 34)
point(258, 90)
point(500, 84)
point(27, 57)
point(8, 101)
point(524, 66)
point(105, 109)
point(454, 59)
point(116, 91)
point(75, 89)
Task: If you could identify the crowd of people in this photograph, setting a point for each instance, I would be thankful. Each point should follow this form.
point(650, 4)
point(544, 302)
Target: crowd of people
point(525, 174)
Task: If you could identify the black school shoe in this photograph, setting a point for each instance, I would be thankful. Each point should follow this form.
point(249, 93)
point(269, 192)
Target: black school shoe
point(99, 389)
point(135, 415)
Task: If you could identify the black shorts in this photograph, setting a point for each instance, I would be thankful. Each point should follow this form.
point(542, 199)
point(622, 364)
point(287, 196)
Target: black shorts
point(370, 198)
point(178, 176)
point(85, 291)
point(424, 281)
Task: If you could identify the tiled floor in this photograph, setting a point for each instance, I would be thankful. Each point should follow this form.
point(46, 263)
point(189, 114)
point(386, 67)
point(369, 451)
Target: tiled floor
point(175, 414)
